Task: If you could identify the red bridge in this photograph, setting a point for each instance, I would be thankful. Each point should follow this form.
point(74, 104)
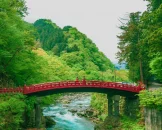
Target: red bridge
point(76, 86)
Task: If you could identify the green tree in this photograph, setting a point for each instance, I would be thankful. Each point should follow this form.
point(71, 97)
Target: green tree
point(129, 46)
point(151, 36)
point(49, 34)
point(16, 39)
point(12, 108)
point(154, 4)
point(156, 67)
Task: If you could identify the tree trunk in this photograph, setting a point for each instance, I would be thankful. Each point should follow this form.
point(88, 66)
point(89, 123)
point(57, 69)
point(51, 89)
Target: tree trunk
point(141, 71)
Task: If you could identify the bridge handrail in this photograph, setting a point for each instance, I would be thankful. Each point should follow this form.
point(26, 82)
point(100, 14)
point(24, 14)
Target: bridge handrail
point(70, 84)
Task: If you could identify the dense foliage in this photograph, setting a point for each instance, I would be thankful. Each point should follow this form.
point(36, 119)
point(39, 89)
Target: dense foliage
point(140, 43)
point(41, 53)
point(16, 43)
point(44, 52)
point(73, 47)
point(50, 34)
point(151, 99)
point(120, 123)
point(99, 102)
point(11, 108)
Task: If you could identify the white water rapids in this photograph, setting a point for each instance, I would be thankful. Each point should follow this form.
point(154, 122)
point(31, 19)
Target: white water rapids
point(66, 120)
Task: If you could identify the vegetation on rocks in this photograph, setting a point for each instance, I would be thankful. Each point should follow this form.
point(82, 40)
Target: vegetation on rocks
point(119, 123)
point(151, 99)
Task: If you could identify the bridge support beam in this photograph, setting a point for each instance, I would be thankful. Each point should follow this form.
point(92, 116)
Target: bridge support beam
point(113, 105)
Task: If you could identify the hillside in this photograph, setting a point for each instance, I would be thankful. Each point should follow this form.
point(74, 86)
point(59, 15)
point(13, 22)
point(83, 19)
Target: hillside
point(74, 49)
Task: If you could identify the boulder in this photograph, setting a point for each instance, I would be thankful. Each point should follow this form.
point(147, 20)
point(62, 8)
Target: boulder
point(73, 110)
point(81, 113)
point(49, 121)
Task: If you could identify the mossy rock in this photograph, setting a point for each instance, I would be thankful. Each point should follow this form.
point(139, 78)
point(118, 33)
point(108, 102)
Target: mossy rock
point(49, 121)
point(110, 123)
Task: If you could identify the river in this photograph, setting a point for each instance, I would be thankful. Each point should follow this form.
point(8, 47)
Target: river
point(64, 113)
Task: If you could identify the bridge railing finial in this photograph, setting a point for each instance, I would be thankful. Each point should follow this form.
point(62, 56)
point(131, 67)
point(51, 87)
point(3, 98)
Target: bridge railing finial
point(84, 80)
point(77, 80)
point(24, 89)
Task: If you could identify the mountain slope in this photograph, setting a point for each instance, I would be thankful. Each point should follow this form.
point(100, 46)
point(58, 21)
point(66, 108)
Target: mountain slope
point(72, 46)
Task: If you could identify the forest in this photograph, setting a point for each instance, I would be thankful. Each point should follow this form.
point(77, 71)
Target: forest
point(44, 52)
point(140, 43)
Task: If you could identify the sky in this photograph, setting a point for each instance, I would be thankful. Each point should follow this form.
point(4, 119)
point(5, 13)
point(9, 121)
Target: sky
point(98, 19)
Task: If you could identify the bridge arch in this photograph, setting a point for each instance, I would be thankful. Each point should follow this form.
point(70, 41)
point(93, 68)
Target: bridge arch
point(112, 89)
point(44, 89)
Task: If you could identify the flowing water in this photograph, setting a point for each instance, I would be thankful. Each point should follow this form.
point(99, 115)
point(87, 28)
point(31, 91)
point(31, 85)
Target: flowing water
point(66, 120)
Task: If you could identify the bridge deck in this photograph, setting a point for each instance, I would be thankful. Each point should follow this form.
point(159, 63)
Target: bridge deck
point(27, 90)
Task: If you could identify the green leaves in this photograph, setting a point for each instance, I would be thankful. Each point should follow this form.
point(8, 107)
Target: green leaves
point(99, 102)
point(152, 99)
point(140, 41)
point(14, 7)
point(74, 47)
point(11, 108)
point(154, 4)
point(49, 34)
point(156, 67)
point(129, 44)
point(17, 61)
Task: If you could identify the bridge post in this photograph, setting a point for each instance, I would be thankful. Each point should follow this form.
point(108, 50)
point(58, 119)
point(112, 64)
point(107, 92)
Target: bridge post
point(116, 105)
point(110, 104)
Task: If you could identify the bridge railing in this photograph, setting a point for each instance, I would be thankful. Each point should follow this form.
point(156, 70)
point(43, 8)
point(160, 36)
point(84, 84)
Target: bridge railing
point(11, 90)
point(72, 84)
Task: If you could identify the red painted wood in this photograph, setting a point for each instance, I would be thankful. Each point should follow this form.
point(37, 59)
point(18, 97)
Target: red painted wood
point(72, 84)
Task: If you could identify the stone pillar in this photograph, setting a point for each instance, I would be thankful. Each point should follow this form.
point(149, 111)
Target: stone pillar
point(113, 105)
point(116, 105)
point(110, 105)
point(126, 107)
point(33, 118)
point(38, 116)
point(131, 107)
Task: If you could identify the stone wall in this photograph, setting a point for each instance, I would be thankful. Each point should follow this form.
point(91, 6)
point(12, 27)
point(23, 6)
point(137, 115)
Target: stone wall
point(153, 86)
point(153, 119)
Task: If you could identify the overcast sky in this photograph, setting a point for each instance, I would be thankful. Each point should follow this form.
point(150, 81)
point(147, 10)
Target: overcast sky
point(98, 19)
